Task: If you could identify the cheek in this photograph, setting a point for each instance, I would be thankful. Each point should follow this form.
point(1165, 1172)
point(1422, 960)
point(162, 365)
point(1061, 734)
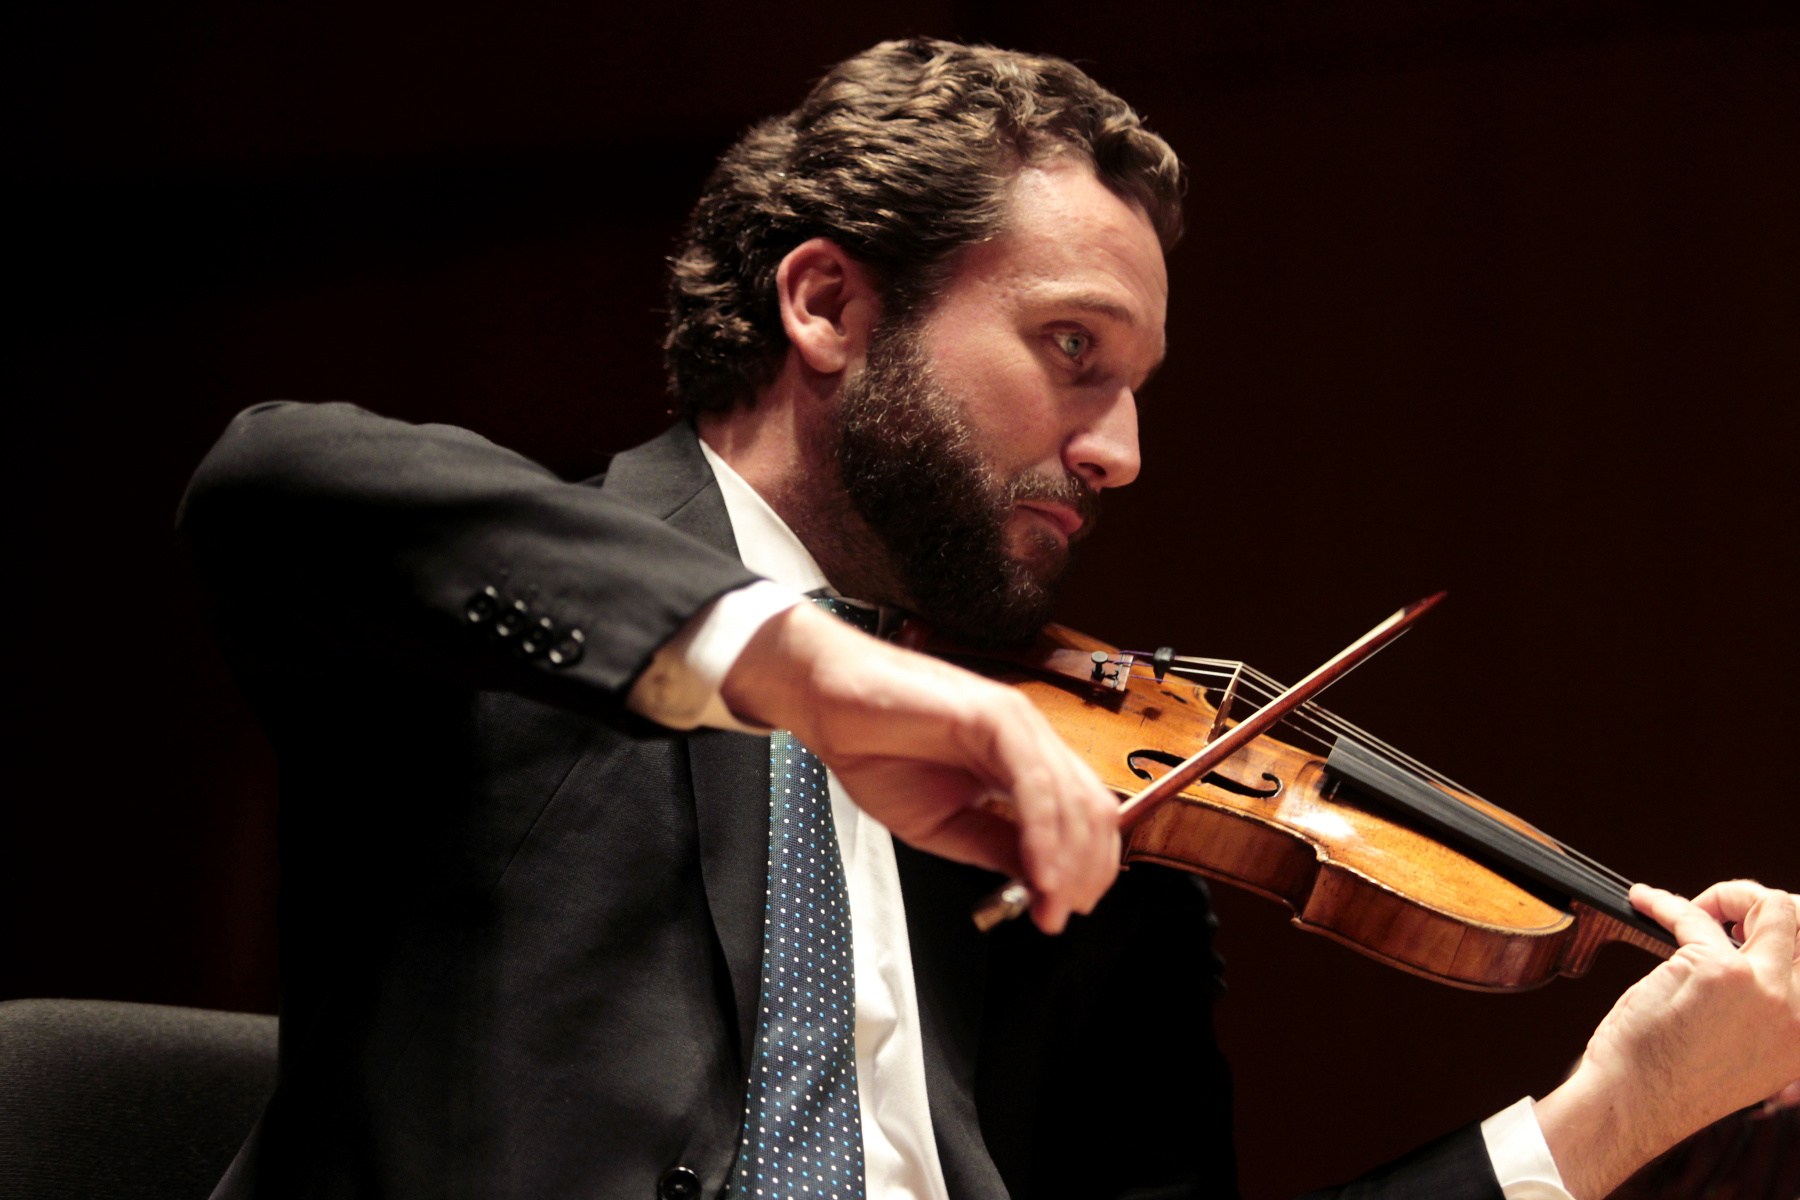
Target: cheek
point(1000, 389)
point(1024, 434)
point(1010, 412)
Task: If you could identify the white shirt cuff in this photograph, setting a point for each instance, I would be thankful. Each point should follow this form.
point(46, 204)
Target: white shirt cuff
point(1521, 1157)
point(680, 687)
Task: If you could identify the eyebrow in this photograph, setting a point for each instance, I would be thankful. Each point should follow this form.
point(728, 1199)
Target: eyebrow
point(1095, 302)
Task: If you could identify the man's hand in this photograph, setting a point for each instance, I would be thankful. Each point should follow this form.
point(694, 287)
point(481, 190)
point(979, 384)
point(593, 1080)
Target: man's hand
point(925, 748)
point(1713, 1029)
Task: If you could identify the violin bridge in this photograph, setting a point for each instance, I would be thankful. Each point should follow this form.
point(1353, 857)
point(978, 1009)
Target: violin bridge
point(1221, 713)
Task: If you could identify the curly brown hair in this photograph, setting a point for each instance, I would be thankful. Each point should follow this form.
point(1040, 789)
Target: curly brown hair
point(902, 156)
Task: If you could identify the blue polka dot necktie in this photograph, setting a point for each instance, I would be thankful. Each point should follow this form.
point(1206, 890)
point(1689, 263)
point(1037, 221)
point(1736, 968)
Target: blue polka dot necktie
point(802, 1123)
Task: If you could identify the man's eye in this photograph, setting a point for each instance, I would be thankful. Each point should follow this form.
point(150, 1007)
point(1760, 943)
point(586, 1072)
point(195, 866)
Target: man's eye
point(1072, 344)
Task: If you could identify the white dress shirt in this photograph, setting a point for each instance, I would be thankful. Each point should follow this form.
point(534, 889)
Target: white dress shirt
point(680, 689)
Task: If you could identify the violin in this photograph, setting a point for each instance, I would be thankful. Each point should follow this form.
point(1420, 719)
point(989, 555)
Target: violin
point(1365, 844)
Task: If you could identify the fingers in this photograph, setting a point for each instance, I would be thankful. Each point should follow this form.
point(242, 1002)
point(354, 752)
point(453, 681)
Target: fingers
point(948, 812)
point(1772, 932)
point(1767, 919)
point(1691, 924)
point(1049, 915)
point(1731, 901)
point(1068, 821)
point(943, 810)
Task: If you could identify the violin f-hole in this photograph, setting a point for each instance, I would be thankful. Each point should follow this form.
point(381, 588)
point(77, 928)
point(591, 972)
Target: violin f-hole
point(1224, 783)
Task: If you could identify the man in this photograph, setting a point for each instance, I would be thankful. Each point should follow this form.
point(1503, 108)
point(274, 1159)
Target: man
point(533, 938)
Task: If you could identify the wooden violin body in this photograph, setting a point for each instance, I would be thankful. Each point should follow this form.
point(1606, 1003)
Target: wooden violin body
point(1284, 822)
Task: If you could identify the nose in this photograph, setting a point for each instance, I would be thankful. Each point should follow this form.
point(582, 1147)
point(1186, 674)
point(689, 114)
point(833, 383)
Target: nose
point(1104, 452)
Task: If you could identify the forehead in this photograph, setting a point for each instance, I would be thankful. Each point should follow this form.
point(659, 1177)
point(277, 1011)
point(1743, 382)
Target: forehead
point(1068, 239)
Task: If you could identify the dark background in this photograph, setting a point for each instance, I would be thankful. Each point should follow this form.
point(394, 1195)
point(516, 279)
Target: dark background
point(1497, 297)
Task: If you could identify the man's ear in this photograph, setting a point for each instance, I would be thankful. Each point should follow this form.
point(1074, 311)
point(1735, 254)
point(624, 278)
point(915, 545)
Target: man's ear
point(828, 305)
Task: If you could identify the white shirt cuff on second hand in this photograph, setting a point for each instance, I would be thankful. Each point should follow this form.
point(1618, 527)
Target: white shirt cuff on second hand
point(1521, 1157)
point(680, 687)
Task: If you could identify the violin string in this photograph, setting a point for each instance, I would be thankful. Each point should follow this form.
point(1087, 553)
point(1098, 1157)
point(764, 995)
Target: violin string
point(1302, 719)
point(1393, 752)
point(1443, 780)
point(1324, 722)
point(1348, 728)
point(1266, 688)
point(1261, 691)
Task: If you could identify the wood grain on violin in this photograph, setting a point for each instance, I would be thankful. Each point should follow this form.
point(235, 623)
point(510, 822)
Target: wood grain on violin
point(1365, 845)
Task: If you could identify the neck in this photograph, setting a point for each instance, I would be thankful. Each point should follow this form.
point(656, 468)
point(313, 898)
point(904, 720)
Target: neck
point(785, 446)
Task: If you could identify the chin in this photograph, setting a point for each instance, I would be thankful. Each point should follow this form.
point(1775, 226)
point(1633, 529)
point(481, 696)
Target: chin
point(1041, 555)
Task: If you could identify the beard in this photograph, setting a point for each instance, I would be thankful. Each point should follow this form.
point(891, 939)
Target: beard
point(910, 469)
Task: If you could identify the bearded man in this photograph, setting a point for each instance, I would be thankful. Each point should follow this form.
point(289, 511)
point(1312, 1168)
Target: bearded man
point(539, 939)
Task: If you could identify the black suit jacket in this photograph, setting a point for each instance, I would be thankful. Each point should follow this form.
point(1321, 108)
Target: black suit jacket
point(521, 927)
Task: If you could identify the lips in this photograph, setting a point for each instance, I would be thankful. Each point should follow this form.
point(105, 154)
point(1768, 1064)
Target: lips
point(1066, 520)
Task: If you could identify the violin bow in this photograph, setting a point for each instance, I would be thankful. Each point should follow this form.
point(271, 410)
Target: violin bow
point(1014, 897)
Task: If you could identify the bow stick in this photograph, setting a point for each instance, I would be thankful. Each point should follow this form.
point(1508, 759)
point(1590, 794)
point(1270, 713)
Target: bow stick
point(1015, 896)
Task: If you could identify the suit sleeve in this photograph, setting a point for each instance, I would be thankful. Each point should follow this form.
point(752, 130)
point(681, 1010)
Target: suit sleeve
point(331, 539)
point(1455, 1167)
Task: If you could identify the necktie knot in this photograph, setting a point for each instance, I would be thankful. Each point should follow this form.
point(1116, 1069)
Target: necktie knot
point(863, 616)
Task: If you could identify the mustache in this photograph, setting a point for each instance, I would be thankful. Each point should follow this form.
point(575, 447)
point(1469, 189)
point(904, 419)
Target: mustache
point(1069, 490)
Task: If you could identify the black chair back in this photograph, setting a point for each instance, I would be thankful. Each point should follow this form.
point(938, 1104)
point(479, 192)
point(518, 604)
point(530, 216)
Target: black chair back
point(126, 1101)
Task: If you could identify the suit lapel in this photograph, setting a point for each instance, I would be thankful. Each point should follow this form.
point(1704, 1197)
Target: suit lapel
point(669, 478)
